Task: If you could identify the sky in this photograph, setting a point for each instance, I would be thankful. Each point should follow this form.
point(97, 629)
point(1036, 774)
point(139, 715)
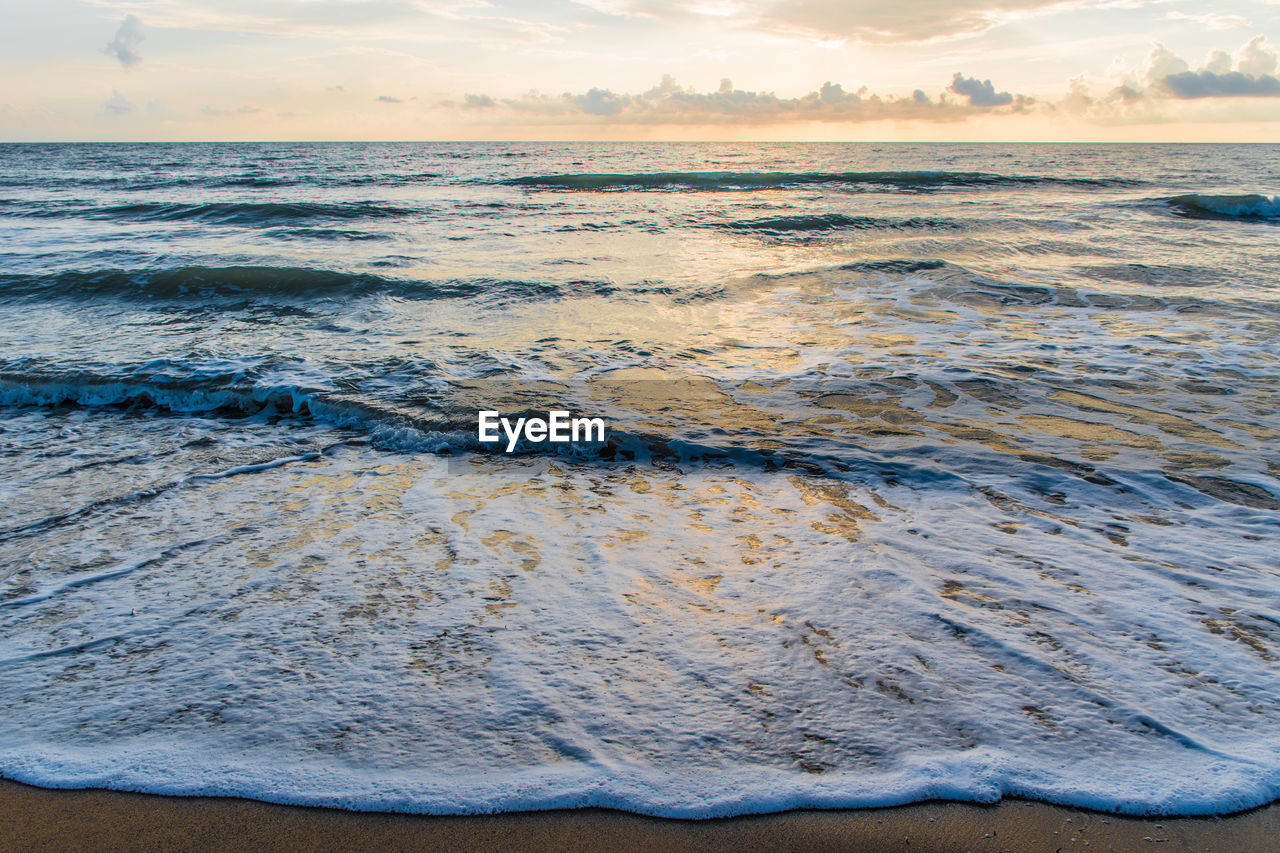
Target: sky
point(973, 70)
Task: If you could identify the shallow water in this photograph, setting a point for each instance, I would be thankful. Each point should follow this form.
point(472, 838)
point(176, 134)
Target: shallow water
point(933, 471)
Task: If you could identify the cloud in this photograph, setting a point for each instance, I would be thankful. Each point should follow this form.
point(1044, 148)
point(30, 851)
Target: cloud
point(1207, 84)
point(1255, 57)
point(389, 99)
point(1160, 63)
point(1219, 62)
point(878, 21)
point(670, 103)
point(1249, 74)
point(1158, 88)
point(117, 105)
point(979, 92)
point(124, 46)
point(601, 102)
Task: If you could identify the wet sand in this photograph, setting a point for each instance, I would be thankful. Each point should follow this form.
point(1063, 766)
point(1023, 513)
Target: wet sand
point(42, 819)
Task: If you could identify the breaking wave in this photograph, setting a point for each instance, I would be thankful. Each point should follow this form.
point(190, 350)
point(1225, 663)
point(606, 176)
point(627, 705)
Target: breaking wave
point(444, 425)
point(1251, 206)
point(233, 397)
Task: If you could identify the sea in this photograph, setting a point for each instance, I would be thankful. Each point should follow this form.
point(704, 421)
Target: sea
point(939, 471)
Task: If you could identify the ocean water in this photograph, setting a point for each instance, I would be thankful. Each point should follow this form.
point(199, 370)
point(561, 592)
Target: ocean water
point(933, 471)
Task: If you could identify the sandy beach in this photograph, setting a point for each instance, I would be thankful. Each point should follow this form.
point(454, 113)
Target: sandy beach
point(41, 819)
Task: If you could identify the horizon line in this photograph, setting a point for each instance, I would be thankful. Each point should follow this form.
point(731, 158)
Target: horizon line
point(622, 142)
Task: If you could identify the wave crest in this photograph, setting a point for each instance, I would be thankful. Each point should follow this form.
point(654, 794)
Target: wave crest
point(445, 426)
point(1248, 206)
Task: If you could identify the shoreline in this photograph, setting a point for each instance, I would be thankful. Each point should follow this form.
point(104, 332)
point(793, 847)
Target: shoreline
point(33, 818)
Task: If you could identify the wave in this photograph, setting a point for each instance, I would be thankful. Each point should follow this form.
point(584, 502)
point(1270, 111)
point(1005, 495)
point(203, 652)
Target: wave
point(152, 181)
point(214, 213)
point(442, 428)
point(985, 775)
point(438, 416)
point(197, 282)
point(224, 396)
point(249, 213)
point(441, 416)
point(960, 285)
point(392, 180)
point(902, 181)
point(1200, 206)
point(447, 428)
point(824, 222)
point(238, 284)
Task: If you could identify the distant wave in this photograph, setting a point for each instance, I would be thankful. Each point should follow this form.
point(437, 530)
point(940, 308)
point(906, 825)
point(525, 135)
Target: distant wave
point(152, 181)
point(249, 213)
point(216, 213)
point(1198, 206)
point(387, 180)
point(905, 181)
point(196, 282)
point(817, 223)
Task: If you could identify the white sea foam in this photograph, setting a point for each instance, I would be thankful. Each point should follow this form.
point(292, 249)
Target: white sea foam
point(408, 634)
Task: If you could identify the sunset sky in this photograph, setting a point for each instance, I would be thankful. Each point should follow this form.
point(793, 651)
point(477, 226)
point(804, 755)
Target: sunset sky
point(1157, 70)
